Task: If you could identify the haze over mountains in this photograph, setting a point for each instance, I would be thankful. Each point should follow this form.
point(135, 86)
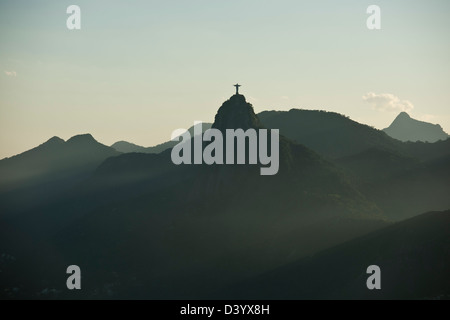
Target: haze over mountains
point(80, 154)
point(41, 173)
point(414, 256)
point(142, 227)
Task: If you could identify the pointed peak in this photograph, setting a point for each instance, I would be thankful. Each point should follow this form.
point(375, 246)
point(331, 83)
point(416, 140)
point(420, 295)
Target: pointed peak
point(82, 138)
point(236, 113)
point(54, 141)
point(405, 128)
point(403, 115)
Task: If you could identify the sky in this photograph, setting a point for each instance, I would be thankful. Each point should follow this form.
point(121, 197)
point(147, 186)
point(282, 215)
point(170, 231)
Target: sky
point(138, 70)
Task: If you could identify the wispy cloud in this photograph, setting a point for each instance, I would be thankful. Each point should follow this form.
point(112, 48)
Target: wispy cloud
point(387, 102)
point(11, 73)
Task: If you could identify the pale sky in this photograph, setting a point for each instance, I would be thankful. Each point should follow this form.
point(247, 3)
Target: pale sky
point(137, 70)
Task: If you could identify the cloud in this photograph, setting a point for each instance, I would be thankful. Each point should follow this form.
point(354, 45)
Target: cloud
point(284, 98)
point(11, 73)
point(387, 102)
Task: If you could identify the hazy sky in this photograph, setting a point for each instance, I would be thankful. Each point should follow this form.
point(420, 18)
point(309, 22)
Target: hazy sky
point(137, 70)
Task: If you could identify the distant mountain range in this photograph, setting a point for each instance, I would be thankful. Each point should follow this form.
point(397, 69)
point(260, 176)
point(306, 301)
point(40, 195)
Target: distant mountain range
point(54, 158)
point(38, 175)
point(331, 134)
point(405, 128)
point(146, 228)
point(377, 161)
point(127, 147)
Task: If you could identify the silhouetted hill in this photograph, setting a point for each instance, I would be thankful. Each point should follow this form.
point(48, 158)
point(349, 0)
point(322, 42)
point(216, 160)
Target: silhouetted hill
point(405, 128)
point(236, 113)
point(300, 168)
point(336, 136)
point(54, 165)
point(328, 133)
point(220, 223)
point(146, 228)
point(414, 258)
point(127, 147)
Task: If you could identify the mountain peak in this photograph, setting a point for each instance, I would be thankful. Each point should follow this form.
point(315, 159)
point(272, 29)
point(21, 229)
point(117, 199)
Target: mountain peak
point(403, 115)
point(405, 128)
point(236, 113)
point(51, 144)
point(82, 138)
point(54, 141)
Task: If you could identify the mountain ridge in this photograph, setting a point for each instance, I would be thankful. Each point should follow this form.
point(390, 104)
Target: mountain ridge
point(405, 128)
point(44, 171)
point(126, 147)
point(147, 228)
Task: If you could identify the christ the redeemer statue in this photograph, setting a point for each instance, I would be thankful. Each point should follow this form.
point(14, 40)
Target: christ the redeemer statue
point(237, 85)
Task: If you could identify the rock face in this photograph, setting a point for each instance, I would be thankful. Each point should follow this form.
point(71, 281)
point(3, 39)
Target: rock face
point(405, 128)
point(236, 113)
